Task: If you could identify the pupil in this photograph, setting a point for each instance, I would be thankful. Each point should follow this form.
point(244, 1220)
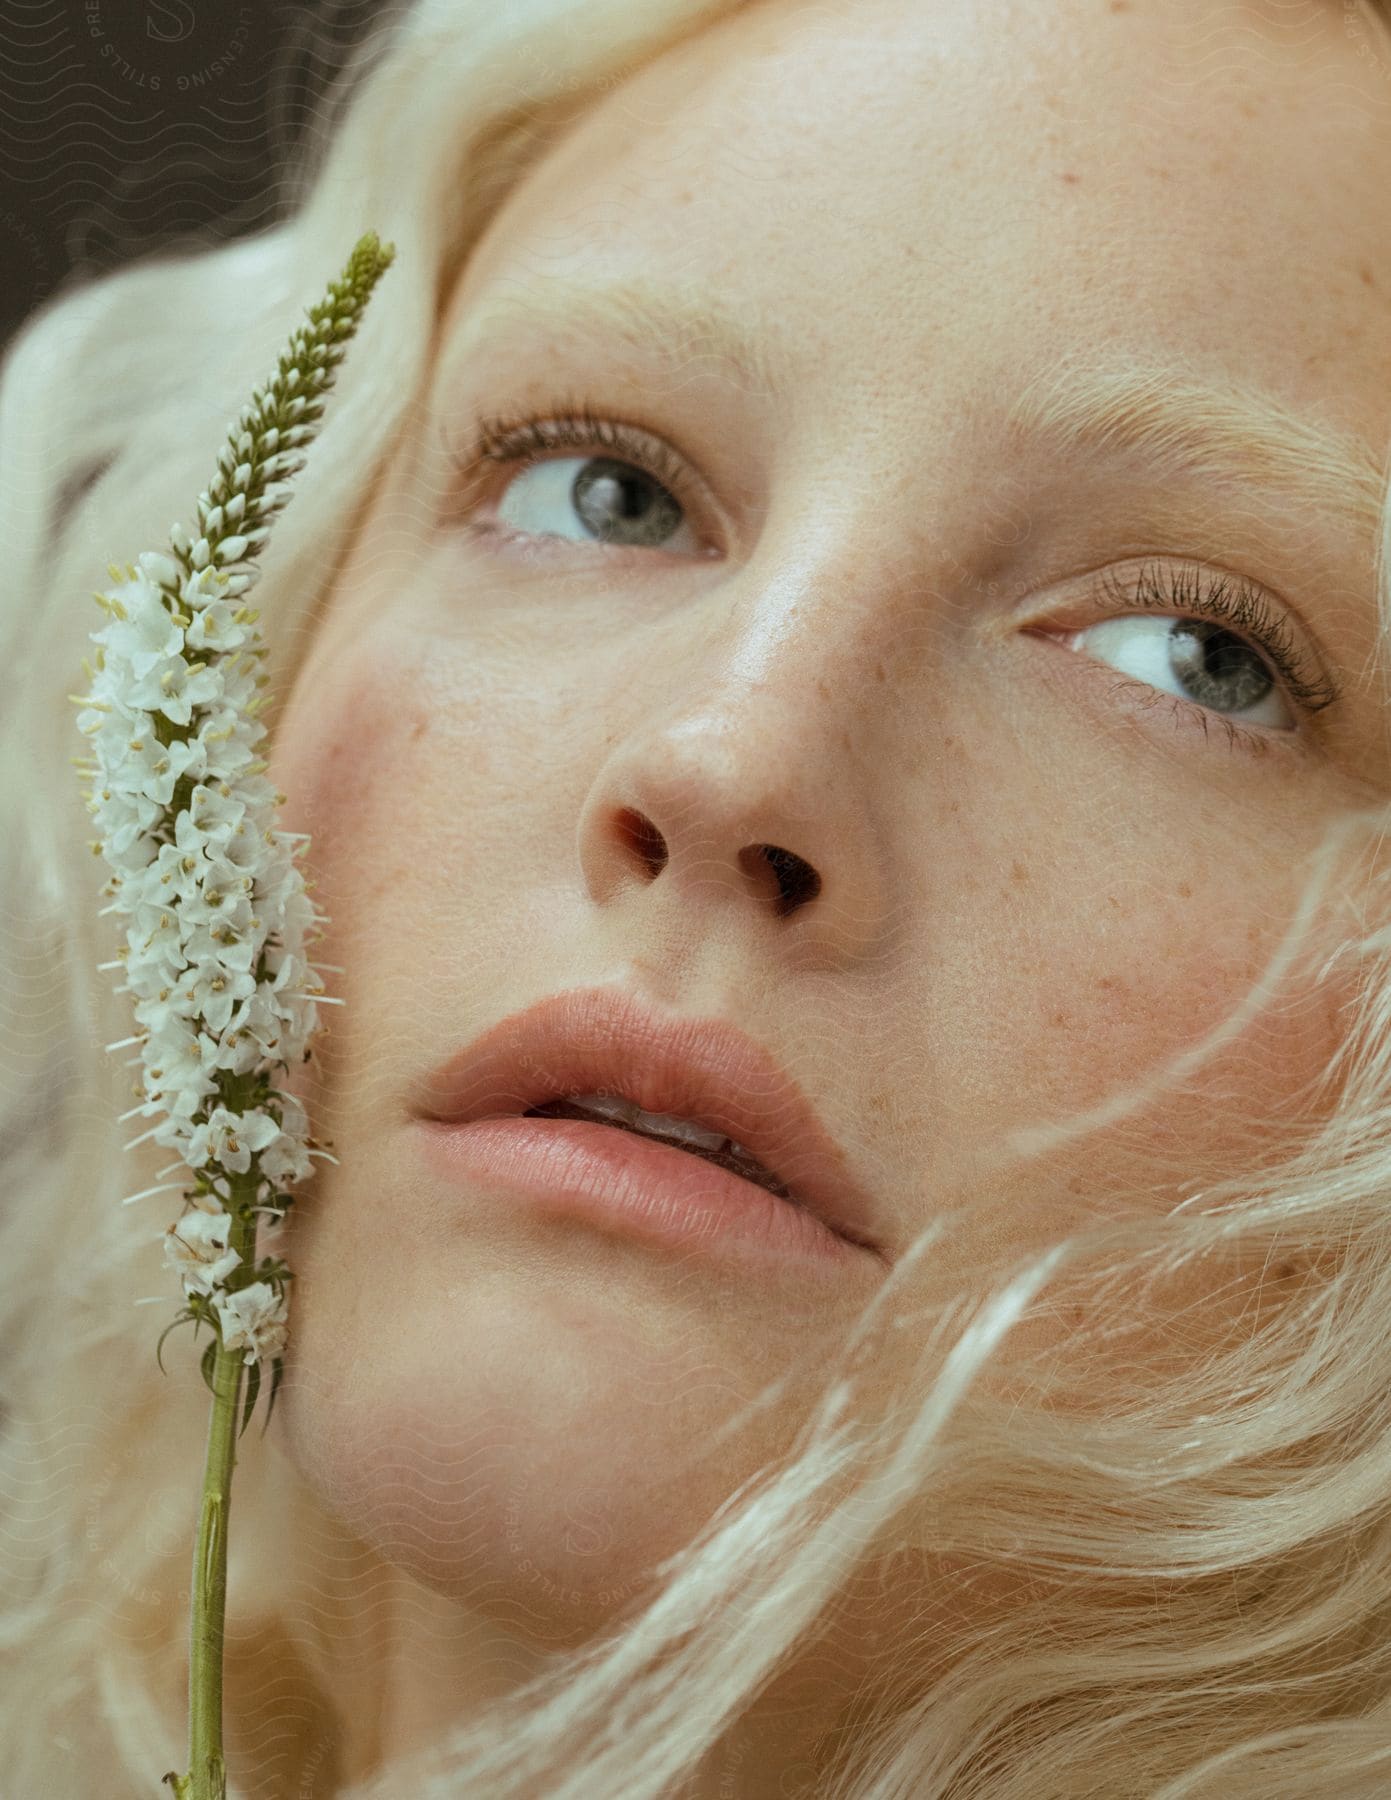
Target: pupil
point(1210, 657)
point(620, 504)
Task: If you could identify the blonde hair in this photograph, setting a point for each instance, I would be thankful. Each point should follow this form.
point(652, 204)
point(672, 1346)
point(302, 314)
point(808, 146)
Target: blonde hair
point(1207, 1557)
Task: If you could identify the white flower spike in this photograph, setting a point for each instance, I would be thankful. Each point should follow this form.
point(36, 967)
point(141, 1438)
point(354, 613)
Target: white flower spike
point(215, 905)
point(216, 914)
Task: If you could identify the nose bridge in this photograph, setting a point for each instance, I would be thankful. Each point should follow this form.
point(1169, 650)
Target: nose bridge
point(759, 762)
point(830, 604)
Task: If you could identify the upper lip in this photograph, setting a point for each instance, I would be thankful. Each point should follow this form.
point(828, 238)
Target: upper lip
point(591, 1040)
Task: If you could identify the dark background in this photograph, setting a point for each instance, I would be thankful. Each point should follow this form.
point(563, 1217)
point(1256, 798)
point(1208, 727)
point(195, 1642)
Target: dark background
point(129, 124)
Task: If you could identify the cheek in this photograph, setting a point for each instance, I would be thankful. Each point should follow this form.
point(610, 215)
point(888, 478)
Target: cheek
point(1077, 982)
point(1194, 953)
point(346, 758)
point(342, 757)
point(1109, 969)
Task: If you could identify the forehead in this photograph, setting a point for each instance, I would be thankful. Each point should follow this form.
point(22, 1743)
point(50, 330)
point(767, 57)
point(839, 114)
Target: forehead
point(905, 186)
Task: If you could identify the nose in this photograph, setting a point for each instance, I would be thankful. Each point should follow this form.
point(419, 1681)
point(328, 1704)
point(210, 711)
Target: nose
point(746, 797)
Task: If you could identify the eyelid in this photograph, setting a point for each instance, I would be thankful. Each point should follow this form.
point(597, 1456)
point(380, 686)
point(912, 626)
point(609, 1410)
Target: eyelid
point(519, 437)
point(1169, 582)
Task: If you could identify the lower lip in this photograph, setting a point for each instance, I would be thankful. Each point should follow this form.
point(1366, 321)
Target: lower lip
point(650, 1190)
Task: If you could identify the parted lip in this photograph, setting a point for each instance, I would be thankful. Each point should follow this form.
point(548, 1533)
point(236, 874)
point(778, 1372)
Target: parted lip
point(605, 1040)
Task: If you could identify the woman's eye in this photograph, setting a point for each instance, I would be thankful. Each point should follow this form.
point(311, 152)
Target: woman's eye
point(1198, 661)
point(624, 487)
point(1216, 645)
point(594, 499)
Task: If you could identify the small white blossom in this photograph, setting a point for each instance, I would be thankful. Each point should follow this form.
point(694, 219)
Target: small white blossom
point(252, 1319)
point(196, 1248)
point(230, 1139)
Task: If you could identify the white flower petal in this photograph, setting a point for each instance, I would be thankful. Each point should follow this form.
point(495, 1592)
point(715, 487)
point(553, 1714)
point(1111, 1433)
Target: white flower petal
point(253, 1319)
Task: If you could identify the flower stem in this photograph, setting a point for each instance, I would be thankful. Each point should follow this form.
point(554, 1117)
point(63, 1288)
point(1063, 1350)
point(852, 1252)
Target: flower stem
point(207, 1777)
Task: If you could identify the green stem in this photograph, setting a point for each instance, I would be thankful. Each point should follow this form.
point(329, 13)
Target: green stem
point(207, 1776)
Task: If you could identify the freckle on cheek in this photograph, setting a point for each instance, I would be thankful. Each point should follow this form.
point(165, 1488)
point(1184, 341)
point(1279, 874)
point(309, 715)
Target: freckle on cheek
point(353, 751)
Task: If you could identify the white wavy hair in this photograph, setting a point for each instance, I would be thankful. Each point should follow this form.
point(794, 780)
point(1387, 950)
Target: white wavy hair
point(1209, 1556)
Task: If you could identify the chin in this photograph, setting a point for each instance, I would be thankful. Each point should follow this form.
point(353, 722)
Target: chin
point(515, 1433)
point(542, 1500)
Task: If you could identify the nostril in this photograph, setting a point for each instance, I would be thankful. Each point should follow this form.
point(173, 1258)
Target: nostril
point(640, 834)
point(798, 882)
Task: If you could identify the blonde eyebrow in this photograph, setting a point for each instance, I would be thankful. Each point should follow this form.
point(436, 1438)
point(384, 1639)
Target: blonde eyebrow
point(1185, 425)
point(1189, 427)
point(658, 326)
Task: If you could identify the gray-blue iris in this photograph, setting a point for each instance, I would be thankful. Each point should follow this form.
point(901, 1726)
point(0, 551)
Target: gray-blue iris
point(622, 504)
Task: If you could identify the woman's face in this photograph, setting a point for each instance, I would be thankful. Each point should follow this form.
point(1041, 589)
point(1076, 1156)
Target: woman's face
point(846, 613)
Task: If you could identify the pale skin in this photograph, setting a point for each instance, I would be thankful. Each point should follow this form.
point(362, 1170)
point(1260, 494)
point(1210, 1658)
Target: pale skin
point(1032, 887)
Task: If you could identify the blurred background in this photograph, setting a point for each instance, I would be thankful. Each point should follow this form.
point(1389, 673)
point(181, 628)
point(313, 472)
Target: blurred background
point(127, 124)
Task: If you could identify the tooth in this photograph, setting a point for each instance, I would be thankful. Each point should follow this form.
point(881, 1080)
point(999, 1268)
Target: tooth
point(669, 1124)
point(610, 1105)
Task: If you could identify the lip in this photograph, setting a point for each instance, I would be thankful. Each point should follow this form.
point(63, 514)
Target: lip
point(605, 1040)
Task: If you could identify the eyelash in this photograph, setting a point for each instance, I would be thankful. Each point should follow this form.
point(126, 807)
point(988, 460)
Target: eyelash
point(1240, 605)
point(520, 439)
